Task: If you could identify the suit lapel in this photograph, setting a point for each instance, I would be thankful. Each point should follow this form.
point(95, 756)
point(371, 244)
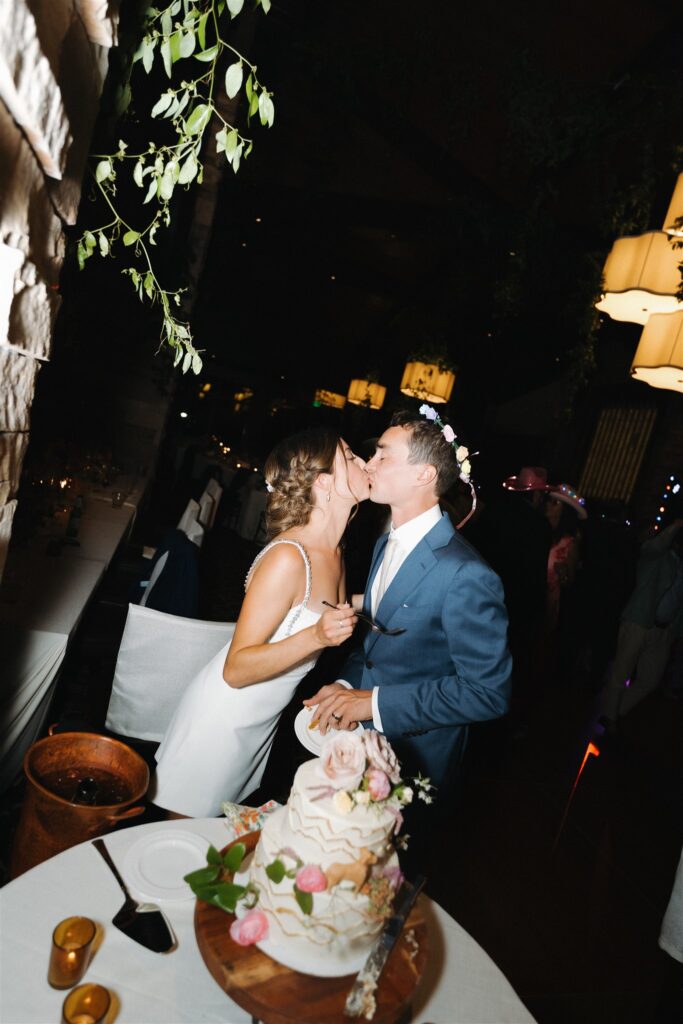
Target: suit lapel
point(417, 565)
point(377, 557)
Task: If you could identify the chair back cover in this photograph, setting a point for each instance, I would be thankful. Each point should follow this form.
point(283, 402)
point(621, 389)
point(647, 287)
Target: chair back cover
point(207, 510)
point(189, 516)
point(159, 656)
point(173, 582)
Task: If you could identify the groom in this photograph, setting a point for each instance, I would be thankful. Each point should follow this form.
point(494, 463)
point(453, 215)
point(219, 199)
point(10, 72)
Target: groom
point(451, 664)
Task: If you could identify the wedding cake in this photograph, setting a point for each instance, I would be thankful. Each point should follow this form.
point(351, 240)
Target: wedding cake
point(325, 867)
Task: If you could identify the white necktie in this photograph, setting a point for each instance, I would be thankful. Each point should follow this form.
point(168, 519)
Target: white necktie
point(390, 566)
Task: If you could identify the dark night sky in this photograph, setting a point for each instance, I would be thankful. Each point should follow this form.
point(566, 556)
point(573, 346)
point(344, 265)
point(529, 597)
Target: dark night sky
point(439, 176)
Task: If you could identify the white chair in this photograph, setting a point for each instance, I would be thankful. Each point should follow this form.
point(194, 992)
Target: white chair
point(207, 510)
point(189, 523)
point(215, 491)
point(159, 656)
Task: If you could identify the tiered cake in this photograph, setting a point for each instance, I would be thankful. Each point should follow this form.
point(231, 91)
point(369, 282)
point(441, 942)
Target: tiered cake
point(325, 868)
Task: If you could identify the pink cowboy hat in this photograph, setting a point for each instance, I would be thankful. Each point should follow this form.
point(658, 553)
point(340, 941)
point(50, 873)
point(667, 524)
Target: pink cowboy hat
point(567, 494)
point(529, 478)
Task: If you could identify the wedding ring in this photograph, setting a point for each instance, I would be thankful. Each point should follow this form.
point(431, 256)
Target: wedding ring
point(337, 718)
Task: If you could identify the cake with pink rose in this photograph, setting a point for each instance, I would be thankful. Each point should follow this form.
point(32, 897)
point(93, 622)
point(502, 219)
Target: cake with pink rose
point(325, 867)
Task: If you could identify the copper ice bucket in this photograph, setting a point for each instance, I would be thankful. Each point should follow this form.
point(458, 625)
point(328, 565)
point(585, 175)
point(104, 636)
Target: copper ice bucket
point(50, 821)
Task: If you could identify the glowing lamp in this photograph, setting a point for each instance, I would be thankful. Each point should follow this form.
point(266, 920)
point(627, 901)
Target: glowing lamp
point(367, 393)
point(659, 357)
point(427, 382)
point(330, 398)
point(641, 277)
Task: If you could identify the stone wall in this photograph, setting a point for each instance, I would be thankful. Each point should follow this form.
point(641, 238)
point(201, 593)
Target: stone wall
point(53, 61)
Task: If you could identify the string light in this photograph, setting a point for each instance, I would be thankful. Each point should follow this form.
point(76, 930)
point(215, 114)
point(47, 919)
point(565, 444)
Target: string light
point(672, 486)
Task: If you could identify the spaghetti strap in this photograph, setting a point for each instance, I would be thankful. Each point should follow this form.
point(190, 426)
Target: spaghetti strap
point(304, 554)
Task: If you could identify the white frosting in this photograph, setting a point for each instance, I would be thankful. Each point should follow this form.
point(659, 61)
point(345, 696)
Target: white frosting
point(342, 921)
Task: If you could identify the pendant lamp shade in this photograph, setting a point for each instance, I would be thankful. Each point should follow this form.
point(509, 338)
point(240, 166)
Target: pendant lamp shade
point(659, 357)
point(641, 278)
point(427, 382)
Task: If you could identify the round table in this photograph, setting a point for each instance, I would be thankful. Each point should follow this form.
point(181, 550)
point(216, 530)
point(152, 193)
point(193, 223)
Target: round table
point(462, 985)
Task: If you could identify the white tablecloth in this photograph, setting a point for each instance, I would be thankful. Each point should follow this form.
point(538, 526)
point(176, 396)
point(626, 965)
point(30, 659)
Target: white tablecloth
point(462, 985)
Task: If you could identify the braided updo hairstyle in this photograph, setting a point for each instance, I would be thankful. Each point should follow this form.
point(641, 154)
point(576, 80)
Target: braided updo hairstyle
point(291, 469)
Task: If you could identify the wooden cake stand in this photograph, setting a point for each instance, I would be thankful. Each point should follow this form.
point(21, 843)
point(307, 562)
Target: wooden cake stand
point(274, 994)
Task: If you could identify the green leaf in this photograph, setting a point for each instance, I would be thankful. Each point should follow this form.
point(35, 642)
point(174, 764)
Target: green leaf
point(234, 857)
point(162, 103)
point(233, 79)
point(149, 284)
point(130, 237)
point(147, 54)
point(249, 86)
point(89, 242)
point(137, 174)
point(187, 44)
point(266, 109)
point(151, 191)
point(231, 143)
point(188, 171)
point(304, 899)
point(176, 359)
point(184, 100)
point(186, 362)
point(201, 877)
point(103, 242)
point(265, 4)
point(253, 104)
point(235, 6)
point(221, 139)
point(213, 856)
point(276, 871)
point(103, 171)
point(197, 363)
point(166, 56)
point(224, 894)
point(201, 30)
point(81, 255)
point(198, 119)
point(207, 55)
point(174, 43)
point(166, 184)
point(175, 7)
point(236, 157)
point(166, 23)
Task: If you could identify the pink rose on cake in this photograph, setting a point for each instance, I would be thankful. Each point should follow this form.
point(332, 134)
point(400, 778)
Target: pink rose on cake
point(311, 879)
point(380, 754)
point(378, 784)
point(342, 761)
point(251, 928)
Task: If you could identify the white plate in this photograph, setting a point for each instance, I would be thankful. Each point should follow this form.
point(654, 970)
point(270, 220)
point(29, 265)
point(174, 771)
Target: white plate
point(156, 863)
point(308, 960)
point(311, 738)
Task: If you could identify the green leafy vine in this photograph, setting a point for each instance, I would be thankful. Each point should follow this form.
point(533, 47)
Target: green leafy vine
point(184, 30)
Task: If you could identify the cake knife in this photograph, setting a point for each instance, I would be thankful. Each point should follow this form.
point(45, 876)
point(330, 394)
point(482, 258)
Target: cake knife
point(365, 984)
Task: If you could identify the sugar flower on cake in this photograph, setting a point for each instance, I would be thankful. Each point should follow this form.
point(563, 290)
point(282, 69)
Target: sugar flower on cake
point(251, 928)
point(342, 761)
point(379, 786)
point(380, 754)
point(311, 879)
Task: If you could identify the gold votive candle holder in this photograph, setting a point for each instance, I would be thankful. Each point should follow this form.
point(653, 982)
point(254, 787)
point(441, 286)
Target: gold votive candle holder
point(72, 942)
point(87, 1004)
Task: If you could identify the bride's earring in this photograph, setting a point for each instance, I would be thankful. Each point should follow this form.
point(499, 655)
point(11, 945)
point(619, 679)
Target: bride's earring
point(328, 495)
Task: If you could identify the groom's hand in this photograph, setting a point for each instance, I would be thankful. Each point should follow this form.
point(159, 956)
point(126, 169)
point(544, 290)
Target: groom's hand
point(340, 708)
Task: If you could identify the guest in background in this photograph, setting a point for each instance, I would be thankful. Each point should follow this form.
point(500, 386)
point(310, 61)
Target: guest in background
point(643, 647)
point(563, 510)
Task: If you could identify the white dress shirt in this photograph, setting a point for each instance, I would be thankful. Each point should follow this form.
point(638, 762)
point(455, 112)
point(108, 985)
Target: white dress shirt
point(402, 540)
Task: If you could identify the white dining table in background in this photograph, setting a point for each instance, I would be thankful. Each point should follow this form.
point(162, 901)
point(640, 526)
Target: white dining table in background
point(42, 599)
point(462, 985)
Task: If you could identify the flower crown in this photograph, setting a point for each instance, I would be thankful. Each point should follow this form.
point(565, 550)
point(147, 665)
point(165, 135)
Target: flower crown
point(461, 455)
point(461, 452)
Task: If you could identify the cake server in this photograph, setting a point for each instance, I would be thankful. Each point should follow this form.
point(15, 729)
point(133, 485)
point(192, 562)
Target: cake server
point(365, 984)
point(142, 922)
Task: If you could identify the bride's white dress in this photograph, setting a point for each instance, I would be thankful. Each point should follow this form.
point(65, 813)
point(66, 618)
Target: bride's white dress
point(219, 738)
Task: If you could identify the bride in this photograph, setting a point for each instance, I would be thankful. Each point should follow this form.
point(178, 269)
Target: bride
point(217, 744)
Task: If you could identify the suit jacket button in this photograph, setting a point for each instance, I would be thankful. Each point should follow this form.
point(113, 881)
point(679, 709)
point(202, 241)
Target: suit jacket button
point(368, 664)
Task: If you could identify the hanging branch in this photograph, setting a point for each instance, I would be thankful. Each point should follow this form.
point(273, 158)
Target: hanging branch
point(179, 32)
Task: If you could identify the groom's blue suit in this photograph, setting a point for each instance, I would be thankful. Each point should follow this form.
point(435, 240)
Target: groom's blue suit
point(451, 666)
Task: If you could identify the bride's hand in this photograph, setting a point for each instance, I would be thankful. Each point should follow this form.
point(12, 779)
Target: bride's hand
point(335, 626)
